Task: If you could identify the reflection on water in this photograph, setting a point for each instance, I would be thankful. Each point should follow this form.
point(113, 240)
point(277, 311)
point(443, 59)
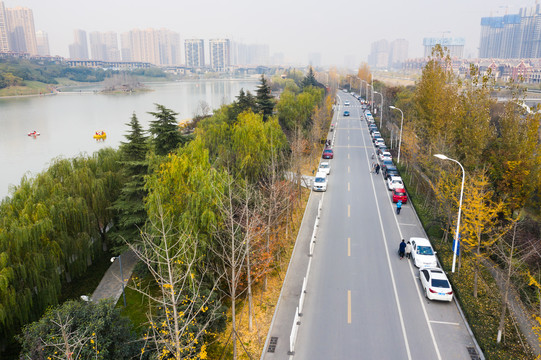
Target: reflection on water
point(68, 121)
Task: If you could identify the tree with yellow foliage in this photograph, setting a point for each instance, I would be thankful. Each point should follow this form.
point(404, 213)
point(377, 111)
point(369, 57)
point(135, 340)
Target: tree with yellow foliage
point(480, 213)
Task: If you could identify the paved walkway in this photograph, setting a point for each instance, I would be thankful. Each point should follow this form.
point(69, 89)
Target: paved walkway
point(111, 285)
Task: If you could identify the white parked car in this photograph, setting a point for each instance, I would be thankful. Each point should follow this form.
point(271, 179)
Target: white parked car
point(385, 155)
point(422, 253)
point(379, 142)
point(324, 167)
point(320, 182)
point(395, 182)
point(436, 284)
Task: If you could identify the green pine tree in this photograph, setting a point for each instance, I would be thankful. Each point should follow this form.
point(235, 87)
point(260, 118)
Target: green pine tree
point(130, 205)
point(165, 132)
point(264, 99)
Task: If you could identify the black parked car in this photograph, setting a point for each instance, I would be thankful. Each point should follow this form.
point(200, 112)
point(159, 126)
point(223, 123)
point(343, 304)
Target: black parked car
point(390, 170)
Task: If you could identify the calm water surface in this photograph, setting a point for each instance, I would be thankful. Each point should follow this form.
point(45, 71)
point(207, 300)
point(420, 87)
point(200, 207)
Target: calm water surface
point(67, 121)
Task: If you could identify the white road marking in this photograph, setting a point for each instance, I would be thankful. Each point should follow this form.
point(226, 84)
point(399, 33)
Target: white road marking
point(444, 322)
point(349, 306)
point(408, 224)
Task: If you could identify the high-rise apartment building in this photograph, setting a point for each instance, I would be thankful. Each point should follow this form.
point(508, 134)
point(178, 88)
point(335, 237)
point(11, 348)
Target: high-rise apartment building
point(398, 53)
point(4, 38)
point(512, 36)
point(42, 41)
point(21, 31)
point(104, 46)
point(194, 53)
point(248, 54)
point(159, 47)
point(455, 46)
point(79, 48)
point(220, 54)
point(379, 54)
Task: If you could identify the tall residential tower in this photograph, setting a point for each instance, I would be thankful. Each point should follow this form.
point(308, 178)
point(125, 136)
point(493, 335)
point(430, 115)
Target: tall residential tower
point(194, 53)
point(79, 48)
point(220, 54)
point(512, 36)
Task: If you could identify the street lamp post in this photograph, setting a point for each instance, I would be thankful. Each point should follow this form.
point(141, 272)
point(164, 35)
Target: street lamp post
point(400, 138)
point(371, 102)
point(381, 109)
point(457, 236)
point(121, 276)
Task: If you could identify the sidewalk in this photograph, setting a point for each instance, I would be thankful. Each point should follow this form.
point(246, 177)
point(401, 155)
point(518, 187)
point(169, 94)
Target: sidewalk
point(277, 343)
point(110, 285)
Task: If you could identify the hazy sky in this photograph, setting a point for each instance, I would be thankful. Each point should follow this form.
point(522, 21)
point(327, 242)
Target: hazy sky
point(337, 29)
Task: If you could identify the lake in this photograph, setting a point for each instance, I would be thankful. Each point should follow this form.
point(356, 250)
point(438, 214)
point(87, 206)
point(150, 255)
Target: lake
point(67, 121)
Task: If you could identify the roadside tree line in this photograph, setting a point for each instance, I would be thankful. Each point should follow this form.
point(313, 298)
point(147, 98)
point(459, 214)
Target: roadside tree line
point(498, 145)
point(205, 212)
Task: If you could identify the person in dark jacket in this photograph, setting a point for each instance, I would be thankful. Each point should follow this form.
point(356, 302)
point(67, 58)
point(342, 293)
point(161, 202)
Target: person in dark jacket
point(377, 168)
point(402, 249)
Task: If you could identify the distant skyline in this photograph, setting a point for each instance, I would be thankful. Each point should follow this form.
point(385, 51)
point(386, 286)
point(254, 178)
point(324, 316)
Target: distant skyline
point(341, 31)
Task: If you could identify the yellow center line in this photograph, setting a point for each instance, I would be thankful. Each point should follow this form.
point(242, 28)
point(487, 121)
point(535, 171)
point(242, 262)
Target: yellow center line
point(349, 306)
point(349, 210)
point(349, 246)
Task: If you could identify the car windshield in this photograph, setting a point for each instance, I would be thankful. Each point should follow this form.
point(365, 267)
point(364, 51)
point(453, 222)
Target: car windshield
point(320, 180)
point(440, 283)
point(324, 166)
point(424, 250)
point(328, 151)
point(387, 162)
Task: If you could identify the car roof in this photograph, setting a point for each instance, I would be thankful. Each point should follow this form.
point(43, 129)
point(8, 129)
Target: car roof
point(436, 273)
point(400, 190)
point(421, 241)
point(396, 178)
point(324, 163)
point(321, 174)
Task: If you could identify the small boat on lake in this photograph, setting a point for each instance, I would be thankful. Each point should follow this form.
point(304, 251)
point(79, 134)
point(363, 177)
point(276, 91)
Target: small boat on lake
point(100, 135)
point(33, 133)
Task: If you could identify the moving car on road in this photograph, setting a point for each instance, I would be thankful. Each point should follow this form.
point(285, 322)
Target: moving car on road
point(436, 284)
point(422, 254)
point(346, 113)
point(346, 103)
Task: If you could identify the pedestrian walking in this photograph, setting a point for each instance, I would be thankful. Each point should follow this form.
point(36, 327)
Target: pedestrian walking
point(377, 168)
point(373, 167)
point(398, 207)
point(408, 250)
point(402, 249)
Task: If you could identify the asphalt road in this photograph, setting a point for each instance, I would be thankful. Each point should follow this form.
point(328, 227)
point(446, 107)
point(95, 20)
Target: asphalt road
point(362, 301)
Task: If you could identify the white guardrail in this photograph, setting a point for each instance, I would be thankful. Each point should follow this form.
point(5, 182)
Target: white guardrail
point(298, 310)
